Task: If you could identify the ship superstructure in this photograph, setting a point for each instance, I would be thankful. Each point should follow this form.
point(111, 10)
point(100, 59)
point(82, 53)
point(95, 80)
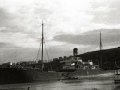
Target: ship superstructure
point(77, 63)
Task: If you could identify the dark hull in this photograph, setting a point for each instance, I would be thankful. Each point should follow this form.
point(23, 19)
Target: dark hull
point(13, 75)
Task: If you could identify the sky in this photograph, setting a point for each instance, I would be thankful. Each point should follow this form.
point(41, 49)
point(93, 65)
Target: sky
point(68, 24)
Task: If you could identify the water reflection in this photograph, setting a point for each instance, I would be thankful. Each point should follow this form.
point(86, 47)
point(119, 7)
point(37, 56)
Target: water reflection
point(65, 85)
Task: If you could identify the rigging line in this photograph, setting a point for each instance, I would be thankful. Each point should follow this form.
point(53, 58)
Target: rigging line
point(97, 47)
point(16, 51)
point(48, 56)
point(117, 65)
point(94, 47)
point(46, 50)
point(38, 52)
point(21, 51)
point(26, 48)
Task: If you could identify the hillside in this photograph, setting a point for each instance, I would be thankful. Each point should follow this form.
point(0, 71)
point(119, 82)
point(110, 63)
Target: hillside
point(109, 57)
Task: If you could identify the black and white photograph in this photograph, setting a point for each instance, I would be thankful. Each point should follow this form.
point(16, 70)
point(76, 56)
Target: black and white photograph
point(59, 44)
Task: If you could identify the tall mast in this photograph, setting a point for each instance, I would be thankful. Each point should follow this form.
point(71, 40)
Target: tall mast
point(100, 50)
point(42, 47)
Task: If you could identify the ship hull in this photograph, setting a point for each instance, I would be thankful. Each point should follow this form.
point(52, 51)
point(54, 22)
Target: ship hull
point(14, 76)
point(95, 73)
point(90, 74)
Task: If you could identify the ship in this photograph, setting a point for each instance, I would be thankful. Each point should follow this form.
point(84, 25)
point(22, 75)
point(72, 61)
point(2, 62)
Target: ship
point(72, 68)
point(78, 69)
point(13, 74)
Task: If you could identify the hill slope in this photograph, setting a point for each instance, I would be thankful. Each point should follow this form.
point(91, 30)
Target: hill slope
point(109, 57)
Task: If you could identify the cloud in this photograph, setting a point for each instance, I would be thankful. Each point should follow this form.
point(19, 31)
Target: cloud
point(110, 37)
point(9, 22)
point(17, 54)
point(67, 24)
point(59, 16)
point(7, 45)
point(5, 18)
point(106, 12)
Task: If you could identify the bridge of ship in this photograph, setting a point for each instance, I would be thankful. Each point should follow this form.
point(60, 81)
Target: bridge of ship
point(77, 63)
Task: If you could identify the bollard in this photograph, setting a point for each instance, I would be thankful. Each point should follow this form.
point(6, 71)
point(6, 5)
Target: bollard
point(28, 88)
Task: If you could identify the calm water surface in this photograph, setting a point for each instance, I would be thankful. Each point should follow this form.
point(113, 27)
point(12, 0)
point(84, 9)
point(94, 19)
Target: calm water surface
point(64, 85)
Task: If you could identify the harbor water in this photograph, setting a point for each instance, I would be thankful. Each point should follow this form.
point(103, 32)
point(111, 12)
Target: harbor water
point(104, 84)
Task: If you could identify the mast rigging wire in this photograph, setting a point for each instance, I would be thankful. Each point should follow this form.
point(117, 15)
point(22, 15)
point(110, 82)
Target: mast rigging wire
point(16, 51)
point(38, 52)
point(48, 56)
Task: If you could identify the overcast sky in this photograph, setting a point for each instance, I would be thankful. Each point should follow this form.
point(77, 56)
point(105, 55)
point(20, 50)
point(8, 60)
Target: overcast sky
point(68, 24)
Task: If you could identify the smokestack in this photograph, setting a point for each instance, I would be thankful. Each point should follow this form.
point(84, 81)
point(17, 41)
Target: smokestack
point(75, 51)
